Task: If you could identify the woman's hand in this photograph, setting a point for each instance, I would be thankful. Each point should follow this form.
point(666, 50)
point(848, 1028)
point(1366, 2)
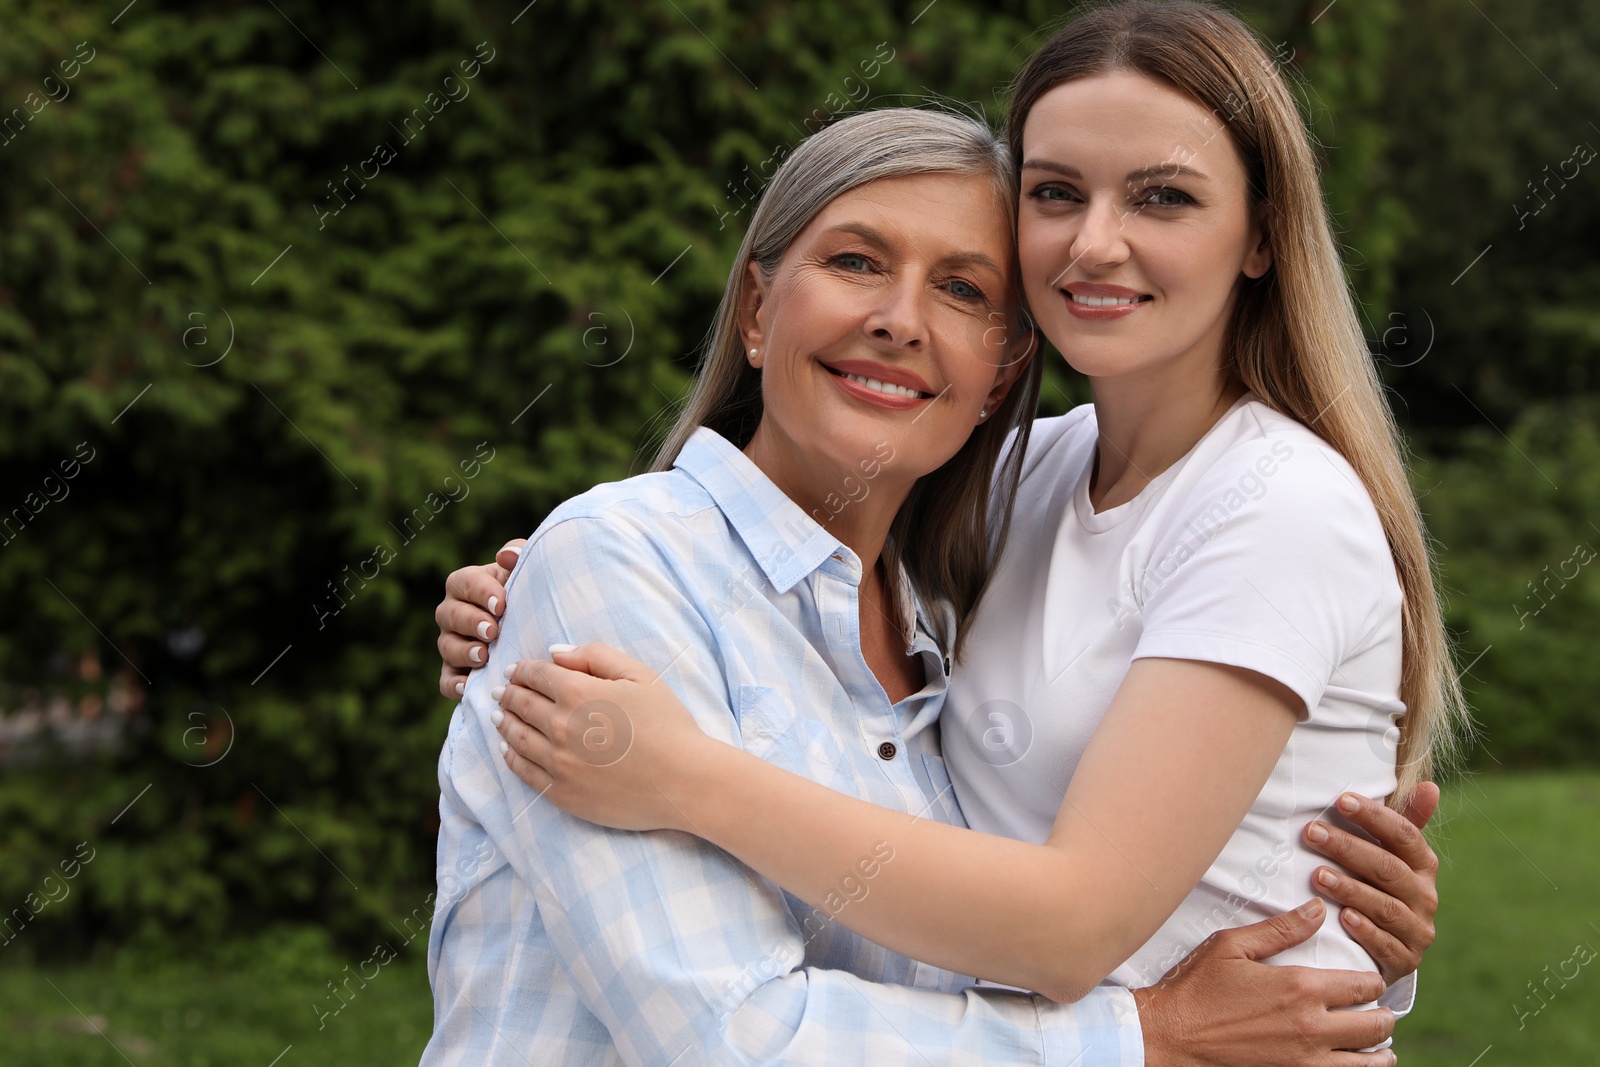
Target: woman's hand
point(474, 597)
point(1391, 901)
point(600, 736)
point(1221, 1007)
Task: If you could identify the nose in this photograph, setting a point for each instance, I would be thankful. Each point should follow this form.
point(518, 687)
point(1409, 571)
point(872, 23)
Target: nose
point(899, 318)
point(1101, 237)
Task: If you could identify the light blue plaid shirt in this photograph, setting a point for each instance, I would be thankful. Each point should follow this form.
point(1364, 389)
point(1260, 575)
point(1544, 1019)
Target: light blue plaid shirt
point(556, 941)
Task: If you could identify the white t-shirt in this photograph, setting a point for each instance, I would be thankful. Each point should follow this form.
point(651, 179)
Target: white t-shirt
point(1260, 549)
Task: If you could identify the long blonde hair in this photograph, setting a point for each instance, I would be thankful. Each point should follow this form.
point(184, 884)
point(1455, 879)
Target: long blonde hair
point(944, 531)
point(1295, 340)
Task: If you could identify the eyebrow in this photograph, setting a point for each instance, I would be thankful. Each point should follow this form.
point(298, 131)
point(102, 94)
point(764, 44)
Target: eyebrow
point(877, 237)
point(1160, 170)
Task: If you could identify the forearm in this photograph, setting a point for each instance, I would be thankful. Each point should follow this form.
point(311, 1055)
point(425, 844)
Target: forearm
point(1142, 820)
point(974, 903)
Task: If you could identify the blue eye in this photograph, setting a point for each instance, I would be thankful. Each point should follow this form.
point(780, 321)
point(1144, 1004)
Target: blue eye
point(965, 290)
point(853, 261)
point(1164, 197)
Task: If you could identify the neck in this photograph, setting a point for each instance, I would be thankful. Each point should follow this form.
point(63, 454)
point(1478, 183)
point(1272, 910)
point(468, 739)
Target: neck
point(858, 511)
point(1148, 422)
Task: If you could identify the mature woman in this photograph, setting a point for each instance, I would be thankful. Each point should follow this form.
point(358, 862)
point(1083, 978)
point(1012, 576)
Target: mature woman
point(1270, 614)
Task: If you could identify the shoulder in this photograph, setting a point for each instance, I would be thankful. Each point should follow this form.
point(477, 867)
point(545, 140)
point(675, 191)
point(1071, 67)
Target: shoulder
point(650, 522)
point(1285, 476)
point(658, 508)
point(627, 560)
point(1271, 504)
point(1056, 442)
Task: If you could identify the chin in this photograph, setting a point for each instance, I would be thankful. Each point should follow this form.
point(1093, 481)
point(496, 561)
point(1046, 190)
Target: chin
point(1099, 360)
point(849, 446)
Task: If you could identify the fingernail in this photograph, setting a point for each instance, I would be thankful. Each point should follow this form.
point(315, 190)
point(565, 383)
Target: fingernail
point(483, 629)
point(1351, 917)
point(494, 608)
point(511, 669)
point(1327, 878)
point(504, 748)
point(1316, 833)
point(476, 652)
point(495, 694)
point(1349, 804)
point(461, 687)
point(562, 648)
point(497, 716)
point(515, 550)
point(1310, 908)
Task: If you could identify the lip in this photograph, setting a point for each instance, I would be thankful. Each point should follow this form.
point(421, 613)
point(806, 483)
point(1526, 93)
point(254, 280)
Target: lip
point(1091, 289)
point(1105, 314)
point(868, 369)
point(881, 372)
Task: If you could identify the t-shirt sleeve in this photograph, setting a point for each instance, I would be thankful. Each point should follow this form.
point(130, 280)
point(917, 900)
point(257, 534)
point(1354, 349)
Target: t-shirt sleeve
point(1276, 562)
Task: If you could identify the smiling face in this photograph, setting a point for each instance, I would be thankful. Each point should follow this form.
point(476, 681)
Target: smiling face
point(885, 324)
point(1135, 227)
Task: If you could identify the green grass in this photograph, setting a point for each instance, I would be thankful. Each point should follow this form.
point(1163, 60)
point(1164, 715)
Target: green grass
point(1522, 861)
point(244, 1010)
point(1518, 893)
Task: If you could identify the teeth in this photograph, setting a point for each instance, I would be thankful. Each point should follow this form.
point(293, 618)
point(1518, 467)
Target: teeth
point(883, 387)
point(1104, 301)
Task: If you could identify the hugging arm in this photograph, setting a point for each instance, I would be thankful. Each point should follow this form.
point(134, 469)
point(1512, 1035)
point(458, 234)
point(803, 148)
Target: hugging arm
point(1120, 859)
point(1219, 677)
point(1141, 822)
point(1389, 889)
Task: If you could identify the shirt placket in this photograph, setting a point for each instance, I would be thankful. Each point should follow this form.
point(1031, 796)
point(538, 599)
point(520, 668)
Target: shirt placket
point(884, 775)
point(882, 756)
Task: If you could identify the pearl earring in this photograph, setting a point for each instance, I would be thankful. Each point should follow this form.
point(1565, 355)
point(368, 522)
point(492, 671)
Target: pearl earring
point(983, 413)
point(753, 352)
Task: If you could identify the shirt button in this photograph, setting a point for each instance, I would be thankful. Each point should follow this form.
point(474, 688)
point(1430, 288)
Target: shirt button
point(886, 750)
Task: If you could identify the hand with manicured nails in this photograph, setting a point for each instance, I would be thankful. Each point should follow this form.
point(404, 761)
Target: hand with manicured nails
point(600, 736)
point(469, 616)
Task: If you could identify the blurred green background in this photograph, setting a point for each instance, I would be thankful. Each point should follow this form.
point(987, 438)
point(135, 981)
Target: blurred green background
point(302, 306)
